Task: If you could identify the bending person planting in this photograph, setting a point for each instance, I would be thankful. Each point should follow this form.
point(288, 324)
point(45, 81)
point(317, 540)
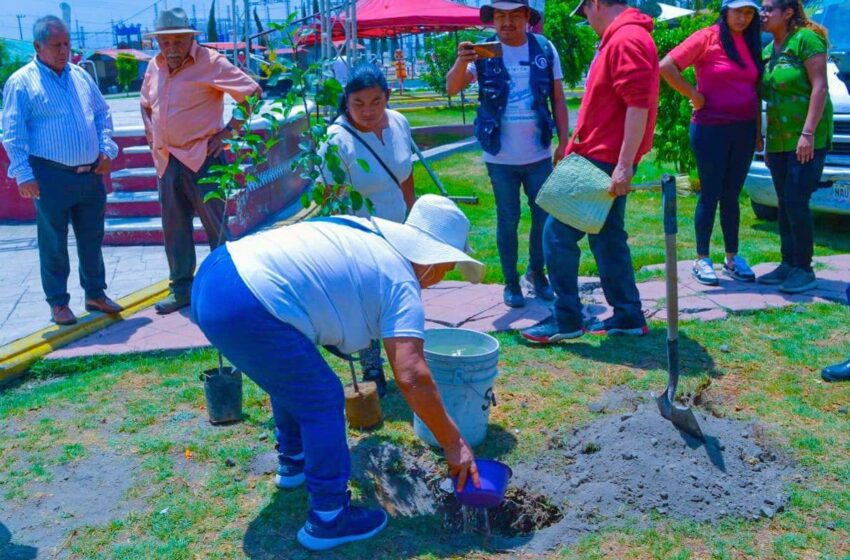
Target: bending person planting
point(266, 302)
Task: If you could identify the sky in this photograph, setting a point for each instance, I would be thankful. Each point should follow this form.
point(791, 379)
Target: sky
point(94, 15)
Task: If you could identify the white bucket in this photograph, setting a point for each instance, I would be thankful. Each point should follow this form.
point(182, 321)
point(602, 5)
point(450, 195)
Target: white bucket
point(463, 364)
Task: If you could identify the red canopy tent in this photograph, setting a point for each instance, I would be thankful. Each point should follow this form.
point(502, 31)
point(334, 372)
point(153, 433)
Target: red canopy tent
point(389, 18)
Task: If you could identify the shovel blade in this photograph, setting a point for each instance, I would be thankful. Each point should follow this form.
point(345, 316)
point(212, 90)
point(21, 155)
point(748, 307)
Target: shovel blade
point(683, 418)
point(464, 199)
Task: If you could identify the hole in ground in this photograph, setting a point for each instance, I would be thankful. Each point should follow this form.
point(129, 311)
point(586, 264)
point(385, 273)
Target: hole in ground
point(522, 512)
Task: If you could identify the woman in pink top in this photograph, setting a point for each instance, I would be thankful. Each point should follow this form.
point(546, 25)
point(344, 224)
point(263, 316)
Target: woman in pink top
point(725, 128)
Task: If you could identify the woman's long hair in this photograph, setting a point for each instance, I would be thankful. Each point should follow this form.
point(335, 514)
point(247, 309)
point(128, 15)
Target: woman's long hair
point(363, 76)
point(799, 19)
point(752, 37)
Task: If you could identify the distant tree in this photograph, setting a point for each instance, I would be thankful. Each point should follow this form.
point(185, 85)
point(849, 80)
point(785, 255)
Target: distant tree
point(212, 28)
point(576, 44)
point(128, 70)
point(8, 65)
point(441, 52)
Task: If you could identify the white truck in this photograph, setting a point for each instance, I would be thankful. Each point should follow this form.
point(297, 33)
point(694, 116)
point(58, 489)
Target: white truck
point(833, 194)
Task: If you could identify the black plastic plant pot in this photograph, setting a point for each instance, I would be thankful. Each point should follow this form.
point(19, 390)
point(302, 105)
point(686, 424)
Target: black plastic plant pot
point(223, 391)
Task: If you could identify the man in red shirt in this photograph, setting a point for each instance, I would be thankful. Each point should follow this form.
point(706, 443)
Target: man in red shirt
point(615, 127)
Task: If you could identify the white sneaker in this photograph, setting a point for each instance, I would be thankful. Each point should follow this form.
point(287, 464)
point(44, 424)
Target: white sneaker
point(703, 272)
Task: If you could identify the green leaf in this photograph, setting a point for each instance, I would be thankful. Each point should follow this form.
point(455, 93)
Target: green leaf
point(364, 165)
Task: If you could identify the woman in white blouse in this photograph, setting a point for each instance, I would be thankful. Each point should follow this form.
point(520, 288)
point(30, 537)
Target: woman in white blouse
point(366, 129)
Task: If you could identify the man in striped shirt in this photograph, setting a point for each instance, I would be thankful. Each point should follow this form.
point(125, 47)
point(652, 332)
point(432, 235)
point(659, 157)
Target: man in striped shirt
point(57, 132)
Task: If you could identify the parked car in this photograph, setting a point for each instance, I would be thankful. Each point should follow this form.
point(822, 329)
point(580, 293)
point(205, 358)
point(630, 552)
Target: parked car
point(833, 194)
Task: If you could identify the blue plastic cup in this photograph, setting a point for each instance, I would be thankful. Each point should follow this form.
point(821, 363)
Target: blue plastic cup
point(494, 477)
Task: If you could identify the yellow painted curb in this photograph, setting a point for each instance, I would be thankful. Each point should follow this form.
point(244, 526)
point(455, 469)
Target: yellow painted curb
point(18, 355)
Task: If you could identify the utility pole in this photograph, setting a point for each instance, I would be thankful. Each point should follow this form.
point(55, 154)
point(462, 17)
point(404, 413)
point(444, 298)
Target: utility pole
point(194, 17)
point(268, 16)
point(20, 29)
point(232, 33)
point(247, 24)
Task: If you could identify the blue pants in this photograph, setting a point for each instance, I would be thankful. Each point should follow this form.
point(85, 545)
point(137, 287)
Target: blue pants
point(794, 183)
point(506, 181)
point(723, 154)
point(610, 249)
point(81, 200)
point(306, 396)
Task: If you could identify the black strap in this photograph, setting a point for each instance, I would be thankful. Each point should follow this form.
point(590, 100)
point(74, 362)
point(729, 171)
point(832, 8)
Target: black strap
point(340, 220)
point(368, 147)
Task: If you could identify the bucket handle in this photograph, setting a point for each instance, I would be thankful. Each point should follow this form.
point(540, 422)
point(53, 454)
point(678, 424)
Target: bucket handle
point(489, 396)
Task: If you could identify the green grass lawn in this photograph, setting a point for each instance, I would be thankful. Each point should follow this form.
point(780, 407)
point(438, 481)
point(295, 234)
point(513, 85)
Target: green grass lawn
point(433, 116)
point(148, 410)
point(465, 174)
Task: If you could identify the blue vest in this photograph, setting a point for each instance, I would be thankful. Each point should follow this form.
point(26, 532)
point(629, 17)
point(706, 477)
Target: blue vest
point(494, 87)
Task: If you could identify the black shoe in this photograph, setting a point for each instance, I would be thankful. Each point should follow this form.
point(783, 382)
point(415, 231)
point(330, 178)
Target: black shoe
point(837, 372)
point(171, 304)
point(512, 296)
point(538, 284)
point(376, 375)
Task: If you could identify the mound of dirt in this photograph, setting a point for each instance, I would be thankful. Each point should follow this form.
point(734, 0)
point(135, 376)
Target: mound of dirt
point(622, 467)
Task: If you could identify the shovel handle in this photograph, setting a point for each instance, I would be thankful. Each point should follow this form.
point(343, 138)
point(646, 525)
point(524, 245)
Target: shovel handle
point(668, 197)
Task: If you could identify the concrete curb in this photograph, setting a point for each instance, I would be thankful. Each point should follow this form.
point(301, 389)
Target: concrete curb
point(20, 354)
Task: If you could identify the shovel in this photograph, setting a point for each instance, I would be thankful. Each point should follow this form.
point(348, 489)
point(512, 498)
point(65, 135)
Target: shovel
point(458, 199)
point(682, 417)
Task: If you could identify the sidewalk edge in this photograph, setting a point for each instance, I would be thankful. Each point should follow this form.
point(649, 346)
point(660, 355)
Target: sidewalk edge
point(18, 355)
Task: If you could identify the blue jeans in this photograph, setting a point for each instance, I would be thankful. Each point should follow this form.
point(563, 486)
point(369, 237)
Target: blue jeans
point(506, 181)
point(81, 200)
point(306, 396)
point(610, 249)
point(794, 183)
point(723, 154)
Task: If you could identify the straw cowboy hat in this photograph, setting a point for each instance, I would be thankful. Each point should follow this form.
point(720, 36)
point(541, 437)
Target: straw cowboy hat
point(435, 232)
point(486, 11)
point(172, 22)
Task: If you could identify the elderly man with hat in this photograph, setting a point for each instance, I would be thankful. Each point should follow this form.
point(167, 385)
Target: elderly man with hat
point(57, 130)
point(521, 105)
point(182, 101)
point(267, 301)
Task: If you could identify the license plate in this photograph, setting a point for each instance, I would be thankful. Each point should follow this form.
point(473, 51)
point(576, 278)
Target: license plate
point(841, 191)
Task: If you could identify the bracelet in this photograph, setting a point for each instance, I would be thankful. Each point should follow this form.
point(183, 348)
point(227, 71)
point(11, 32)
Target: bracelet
point(804, 133)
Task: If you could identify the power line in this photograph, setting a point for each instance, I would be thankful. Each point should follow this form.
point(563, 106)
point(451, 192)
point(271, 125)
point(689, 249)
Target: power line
point(20, 29)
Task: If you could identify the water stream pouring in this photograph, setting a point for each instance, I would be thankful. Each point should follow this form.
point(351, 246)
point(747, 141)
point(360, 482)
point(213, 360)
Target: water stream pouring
point(682, 417)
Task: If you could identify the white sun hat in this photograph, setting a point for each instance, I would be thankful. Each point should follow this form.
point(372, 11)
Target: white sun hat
point(435, 232)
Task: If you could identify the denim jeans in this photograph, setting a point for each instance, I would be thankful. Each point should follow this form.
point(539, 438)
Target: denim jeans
point(794, 183)
point(80, 199)
point(306, 396)
point(723, 154)
point(506, 181)
point(610, 249)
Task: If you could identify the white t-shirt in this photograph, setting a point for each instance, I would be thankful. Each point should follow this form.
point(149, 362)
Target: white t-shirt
point(520, 135)
point(376, 184)
point(336, 284)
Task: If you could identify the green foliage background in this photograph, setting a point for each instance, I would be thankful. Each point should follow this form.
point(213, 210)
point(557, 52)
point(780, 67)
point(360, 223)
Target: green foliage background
point(442, 52)
point(575, 42)
point(128, 69)
point(672, 136)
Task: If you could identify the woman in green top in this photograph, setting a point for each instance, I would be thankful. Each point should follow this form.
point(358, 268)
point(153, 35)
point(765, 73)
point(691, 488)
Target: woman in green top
point(799, 132)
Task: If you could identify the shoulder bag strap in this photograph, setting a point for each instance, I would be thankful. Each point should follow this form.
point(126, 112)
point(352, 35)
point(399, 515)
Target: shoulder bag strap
point(373, 152)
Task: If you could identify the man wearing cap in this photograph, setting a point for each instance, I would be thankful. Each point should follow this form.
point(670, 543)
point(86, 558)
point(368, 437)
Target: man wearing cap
point(57, 130)
point(266, 302)
point(615, 127)
point(182, 102)
point(521, 105)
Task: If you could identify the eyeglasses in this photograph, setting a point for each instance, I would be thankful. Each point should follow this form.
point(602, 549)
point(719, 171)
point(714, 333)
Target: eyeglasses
point(768, 9)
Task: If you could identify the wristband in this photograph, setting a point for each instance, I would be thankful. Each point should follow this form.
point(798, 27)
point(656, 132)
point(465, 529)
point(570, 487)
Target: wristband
point(804, 133)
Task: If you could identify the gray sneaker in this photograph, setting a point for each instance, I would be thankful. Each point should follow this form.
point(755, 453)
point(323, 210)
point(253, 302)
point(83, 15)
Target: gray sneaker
point(799, 280)
point(777, 275)
point(171, 303)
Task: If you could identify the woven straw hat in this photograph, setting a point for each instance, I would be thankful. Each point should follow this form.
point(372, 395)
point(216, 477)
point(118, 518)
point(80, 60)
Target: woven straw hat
point(172, 22)
point(435, 232)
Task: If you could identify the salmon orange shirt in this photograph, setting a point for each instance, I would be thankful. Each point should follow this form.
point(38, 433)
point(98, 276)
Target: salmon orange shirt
point(187, 105)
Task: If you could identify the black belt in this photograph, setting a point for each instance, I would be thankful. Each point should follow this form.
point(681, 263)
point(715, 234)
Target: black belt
point(78, 169)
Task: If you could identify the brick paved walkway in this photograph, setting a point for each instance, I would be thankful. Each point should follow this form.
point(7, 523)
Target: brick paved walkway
point(480, 307)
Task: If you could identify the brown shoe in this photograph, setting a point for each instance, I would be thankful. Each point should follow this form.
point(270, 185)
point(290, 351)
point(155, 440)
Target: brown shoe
point(62, 315)
point(103, 304)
